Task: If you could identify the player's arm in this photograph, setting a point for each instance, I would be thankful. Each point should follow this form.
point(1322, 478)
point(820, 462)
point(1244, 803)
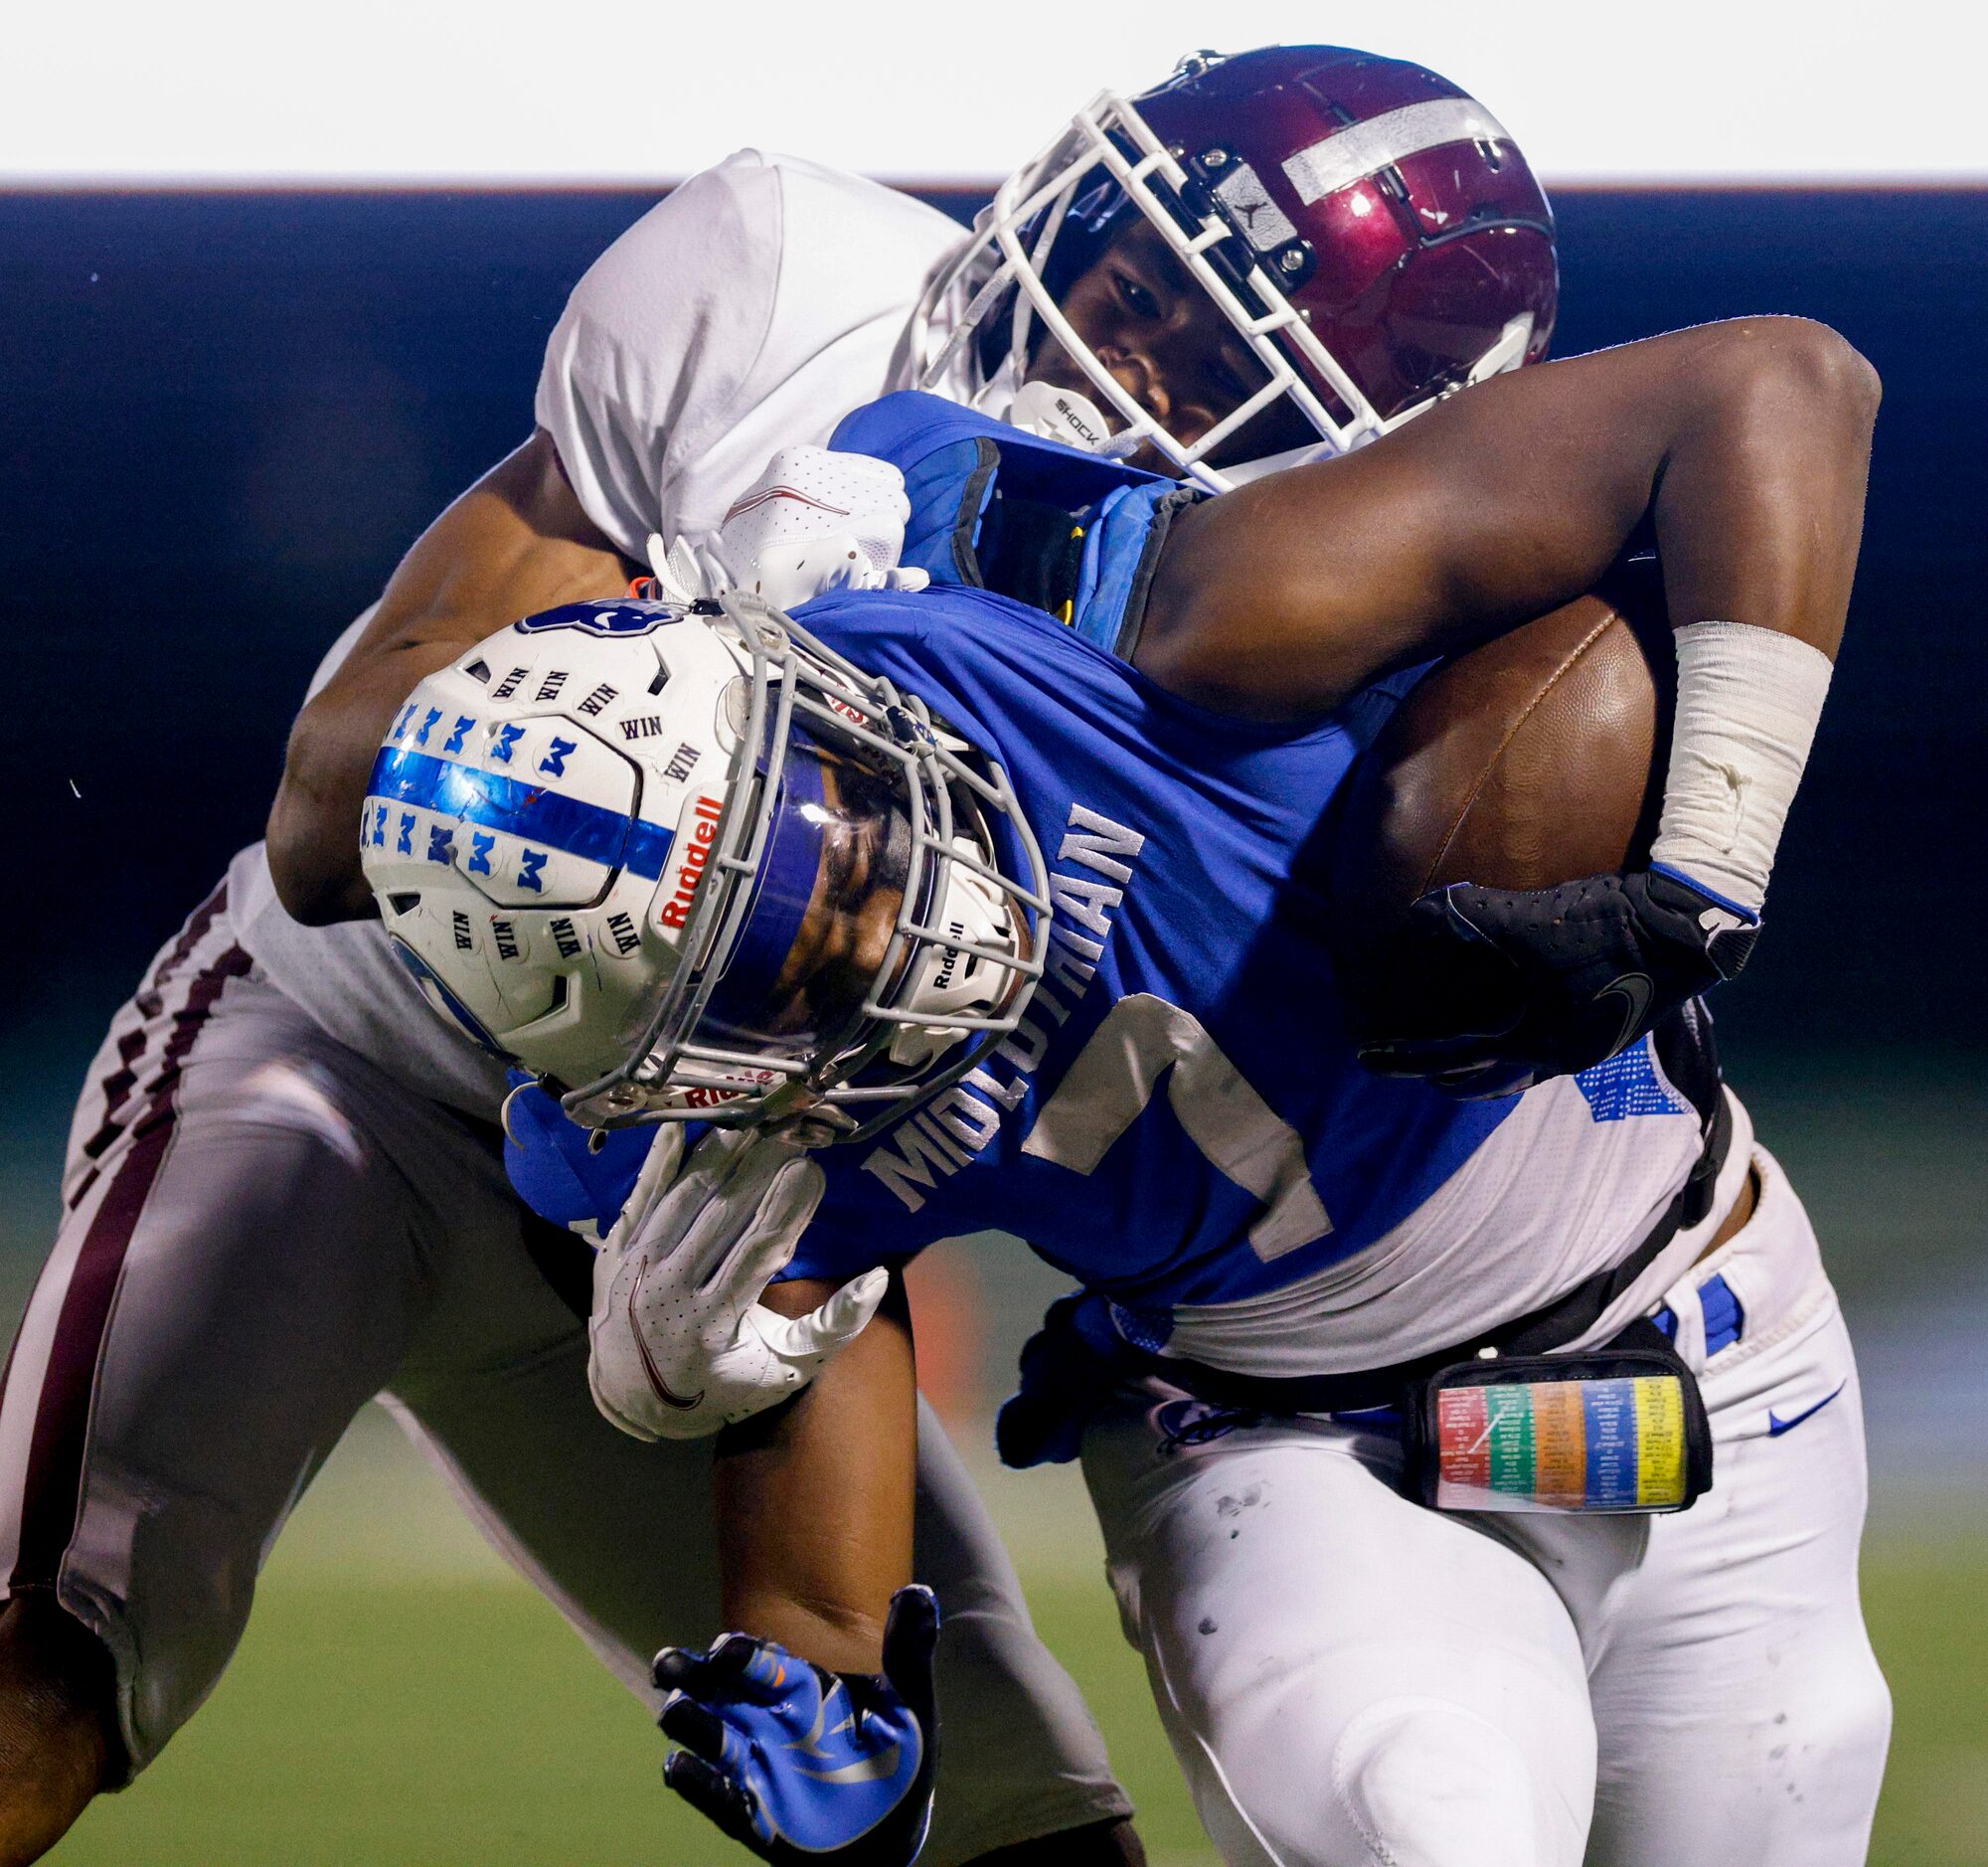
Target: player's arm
point(814, 1498)
point(814, 1476)
point(1745, 443)
point(515, 542)
point(812, 1734)
point(1744, 447)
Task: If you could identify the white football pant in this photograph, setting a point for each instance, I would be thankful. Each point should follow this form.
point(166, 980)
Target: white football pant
point(1352, 1680)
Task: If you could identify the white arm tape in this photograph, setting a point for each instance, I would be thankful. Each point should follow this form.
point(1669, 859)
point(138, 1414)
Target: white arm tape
point(1747, 702)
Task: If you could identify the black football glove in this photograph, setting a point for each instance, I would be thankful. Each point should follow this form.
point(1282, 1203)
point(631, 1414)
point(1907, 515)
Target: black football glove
point(1489, 990)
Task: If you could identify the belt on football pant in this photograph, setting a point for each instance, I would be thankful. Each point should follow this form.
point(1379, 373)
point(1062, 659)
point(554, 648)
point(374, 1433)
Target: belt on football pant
point(1552, 1325)
point(1071, 1365)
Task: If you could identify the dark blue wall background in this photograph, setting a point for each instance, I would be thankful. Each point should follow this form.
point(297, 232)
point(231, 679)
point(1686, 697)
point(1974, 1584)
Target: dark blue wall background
point(224, 416)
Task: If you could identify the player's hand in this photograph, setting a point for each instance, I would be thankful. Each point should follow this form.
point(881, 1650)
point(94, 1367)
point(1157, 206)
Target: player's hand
point(802, 1764)
point(818, 520)
point(1490, 990)
point(679, 1343)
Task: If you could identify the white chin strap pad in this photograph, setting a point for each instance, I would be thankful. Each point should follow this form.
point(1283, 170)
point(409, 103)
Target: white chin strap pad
point(953, 982)
point(1054, 414)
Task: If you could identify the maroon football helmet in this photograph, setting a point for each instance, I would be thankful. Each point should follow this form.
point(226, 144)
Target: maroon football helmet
point(1369, 230)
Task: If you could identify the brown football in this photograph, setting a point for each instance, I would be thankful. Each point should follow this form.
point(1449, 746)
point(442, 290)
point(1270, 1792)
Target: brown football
point(1532, 760)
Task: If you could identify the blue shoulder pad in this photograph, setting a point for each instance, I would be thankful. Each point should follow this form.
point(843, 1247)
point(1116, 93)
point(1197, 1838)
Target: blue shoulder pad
point(555, 1168)
point(1122, 550)
point(953, 458)
point(904, 427)
point(946, 455)
point(949, 458)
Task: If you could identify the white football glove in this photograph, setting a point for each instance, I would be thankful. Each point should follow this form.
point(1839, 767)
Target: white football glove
point(816, 520)
point(680, 1344)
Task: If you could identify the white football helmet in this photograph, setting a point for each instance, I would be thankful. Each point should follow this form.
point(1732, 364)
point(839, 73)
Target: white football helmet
point(690, 865)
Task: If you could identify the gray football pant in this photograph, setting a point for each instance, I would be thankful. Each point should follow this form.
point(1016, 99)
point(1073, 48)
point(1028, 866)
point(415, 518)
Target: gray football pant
point(261, 1230)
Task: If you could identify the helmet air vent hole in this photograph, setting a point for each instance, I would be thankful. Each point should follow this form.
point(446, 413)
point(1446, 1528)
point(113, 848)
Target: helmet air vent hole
point(661, 681)
point(406, 903)
point(480, 670)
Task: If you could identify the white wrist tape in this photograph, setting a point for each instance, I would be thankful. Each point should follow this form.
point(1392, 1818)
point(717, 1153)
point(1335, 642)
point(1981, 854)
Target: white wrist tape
point(1747, 702)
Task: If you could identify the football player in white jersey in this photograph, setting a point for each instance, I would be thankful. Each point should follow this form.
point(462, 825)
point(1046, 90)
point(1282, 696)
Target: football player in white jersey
point(282, 1194)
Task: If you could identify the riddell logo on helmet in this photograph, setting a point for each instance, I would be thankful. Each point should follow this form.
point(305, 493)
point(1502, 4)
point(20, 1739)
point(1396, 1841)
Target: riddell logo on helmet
point(697, 842)
point(702, 1096)
point(951, 961)
point(836, 704)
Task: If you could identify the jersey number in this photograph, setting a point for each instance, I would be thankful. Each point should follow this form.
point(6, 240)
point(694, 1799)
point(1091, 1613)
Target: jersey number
point(1115, 1076)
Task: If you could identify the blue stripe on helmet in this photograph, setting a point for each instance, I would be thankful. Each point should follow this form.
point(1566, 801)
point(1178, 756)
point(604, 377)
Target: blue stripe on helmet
point(531, 811)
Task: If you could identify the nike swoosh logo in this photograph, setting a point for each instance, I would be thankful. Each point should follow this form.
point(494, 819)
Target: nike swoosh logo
point(1777, 1425)
point(649, 1367)
point(1635, 989)
point(770, 493)
point(879, 1768)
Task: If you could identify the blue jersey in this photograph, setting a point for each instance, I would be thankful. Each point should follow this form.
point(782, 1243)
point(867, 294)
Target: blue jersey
point(1180, 1117)
point(1180, 1122)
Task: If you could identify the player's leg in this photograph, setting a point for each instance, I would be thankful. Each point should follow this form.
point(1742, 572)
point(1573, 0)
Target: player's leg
point(1742, 1718)
point(233, 1276)
point(621, 1537)
point(1345, 1676)
point(1032, 1784)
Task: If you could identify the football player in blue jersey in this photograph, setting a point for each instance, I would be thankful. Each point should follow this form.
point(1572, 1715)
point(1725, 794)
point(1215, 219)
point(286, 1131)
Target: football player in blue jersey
point(1298, 246)
point(1036, 934)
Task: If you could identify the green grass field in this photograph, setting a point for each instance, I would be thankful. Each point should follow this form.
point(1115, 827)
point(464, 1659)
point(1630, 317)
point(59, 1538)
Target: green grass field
point(401, 1702)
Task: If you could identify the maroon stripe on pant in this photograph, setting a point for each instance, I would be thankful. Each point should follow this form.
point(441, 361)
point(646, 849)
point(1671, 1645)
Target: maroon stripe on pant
point(119, 1086)
point(116, 1086)
point(54, 1488)
point(191, 936)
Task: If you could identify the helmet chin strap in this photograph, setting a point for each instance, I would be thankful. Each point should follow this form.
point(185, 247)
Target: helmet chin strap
point(1244, 471)
point(1507, 353)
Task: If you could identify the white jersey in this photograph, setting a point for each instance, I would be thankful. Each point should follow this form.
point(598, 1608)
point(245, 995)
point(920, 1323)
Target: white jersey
point(750, 310)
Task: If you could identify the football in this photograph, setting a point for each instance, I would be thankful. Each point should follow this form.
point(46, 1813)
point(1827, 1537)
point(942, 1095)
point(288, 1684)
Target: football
point(1534, 758)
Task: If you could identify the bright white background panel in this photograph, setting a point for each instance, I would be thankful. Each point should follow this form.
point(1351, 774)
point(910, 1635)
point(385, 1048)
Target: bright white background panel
point(600, 90)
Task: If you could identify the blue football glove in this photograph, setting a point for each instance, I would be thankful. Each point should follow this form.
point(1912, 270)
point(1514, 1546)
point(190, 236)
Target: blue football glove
point(802, 1764)
point(1489, 990)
